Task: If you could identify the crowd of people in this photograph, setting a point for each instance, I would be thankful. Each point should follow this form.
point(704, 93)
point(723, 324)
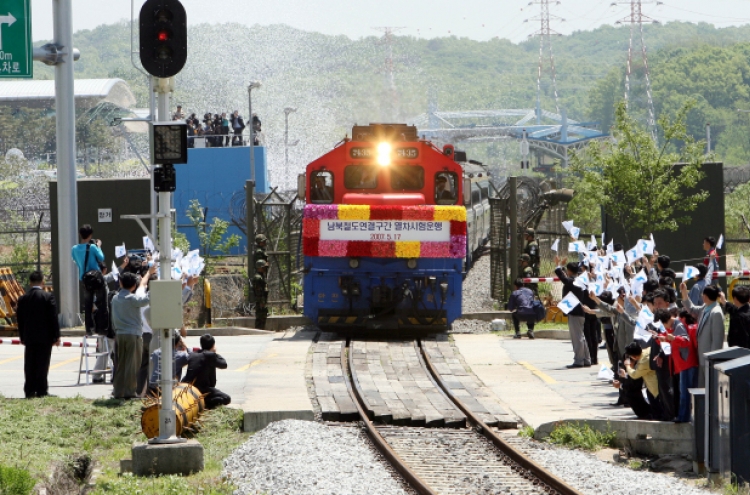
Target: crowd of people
point(656, 333)
point(117, 311)
point(219, 130)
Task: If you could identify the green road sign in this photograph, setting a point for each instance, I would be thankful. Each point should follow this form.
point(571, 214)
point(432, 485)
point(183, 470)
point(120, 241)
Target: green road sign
point(16, 51)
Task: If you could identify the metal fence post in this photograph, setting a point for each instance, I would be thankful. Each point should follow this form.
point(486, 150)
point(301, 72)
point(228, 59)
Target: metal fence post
point(513, 254)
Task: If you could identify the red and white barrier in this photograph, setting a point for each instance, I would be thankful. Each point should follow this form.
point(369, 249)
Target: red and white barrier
point(62, 344)
point(728, 273)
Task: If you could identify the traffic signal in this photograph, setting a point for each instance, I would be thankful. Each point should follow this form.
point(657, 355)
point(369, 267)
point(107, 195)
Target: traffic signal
point(163, 36)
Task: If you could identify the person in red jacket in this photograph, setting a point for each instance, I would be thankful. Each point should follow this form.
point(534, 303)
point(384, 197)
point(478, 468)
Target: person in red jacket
point(681, 334)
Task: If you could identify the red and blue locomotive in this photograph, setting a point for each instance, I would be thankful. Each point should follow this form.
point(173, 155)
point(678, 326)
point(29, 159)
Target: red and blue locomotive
point(385, 230)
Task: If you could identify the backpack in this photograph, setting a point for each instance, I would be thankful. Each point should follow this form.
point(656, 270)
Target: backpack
point(93, 280)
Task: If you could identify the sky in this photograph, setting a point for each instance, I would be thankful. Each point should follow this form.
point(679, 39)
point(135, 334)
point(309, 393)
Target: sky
point(476, 19)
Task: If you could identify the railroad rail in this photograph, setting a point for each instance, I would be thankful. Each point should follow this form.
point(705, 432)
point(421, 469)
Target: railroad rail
point(443, 461)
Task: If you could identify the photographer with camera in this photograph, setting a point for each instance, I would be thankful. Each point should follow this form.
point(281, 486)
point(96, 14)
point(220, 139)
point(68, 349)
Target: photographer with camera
point(89, 258)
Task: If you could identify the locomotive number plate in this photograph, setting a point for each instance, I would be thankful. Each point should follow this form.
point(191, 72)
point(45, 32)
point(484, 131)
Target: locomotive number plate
point(384, 230)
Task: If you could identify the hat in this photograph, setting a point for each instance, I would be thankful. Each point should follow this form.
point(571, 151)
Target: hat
point(260, 238)
point(442, 178)
point(525, 257)
point(261, 264)
point(529, 231)
point(179, 106)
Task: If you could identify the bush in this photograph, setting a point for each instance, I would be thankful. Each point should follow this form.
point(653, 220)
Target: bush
point(15, 481)
point(578, 436)
point(526, 432)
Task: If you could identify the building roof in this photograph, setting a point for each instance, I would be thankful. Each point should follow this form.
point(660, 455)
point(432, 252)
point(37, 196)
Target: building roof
point(88, 92)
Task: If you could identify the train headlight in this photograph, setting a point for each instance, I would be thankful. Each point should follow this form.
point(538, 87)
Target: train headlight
point(412, 264)
point(353, 262)
point(384, 154)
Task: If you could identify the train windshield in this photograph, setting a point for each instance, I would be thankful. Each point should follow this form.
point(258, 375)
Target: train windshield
point(407, 177)
point(361, 177)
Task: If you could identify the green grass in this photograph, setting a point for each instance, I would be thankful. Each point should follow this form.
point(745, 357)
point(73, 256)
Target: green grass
point(34, 434)
point(526, 432)
point(15, 481)
point(577, 436)
point(735, 489)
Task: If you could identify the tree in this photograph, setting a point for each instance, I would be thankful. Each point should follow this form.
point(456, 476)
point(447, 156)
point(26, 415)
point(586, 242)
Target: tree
point(639, 183)
point(210, 237)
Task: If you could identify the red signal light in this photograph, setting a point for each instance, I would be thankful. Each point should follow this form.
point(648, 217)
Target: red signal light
point(163, 36)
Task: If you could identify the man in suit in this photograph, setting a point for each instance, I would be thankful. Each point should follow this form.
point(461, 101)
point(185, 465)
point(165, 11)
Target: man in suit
point(201, 372)
point(39, 331)
point(710, 325)
point(576, 318)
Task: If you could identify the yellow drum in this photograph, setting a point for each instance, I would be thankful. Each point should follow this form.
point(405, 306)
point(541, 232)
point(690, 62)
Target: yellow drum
point(188, 408)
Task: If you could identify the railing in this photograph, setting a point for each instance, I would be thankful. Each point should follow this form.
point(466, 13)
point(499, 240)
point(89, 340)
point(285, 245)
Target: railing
point(224, 140)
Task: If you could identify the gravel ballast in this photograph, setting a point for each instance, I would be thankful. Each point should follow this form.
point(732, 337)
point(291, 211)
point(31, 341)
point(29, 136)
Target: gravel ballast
point(302, 457)
point(476, 287)
point(595, 477)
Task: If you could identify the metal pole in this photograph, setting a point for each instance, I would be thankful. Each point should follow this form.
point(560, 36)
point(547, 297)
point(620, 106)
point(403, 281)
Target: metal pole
point(286, 142)
point(152, 115)
point(166, 413)
point(513, 255)
point(250, 87)
point(250, 228)
point(708, 138)
point(67, 195)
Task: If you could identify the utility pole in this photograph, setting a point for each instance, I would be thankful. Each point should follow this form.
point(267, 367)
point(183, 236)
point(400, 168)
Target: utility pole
point(65, 133)
point(387, 40)
point(637, 17)
point(287, 144)
point(545, 34)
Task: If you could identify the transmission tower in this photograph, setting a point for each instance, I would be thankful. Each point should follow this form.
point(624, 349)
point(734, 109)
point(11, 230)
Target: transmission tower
point(387, 40)
point(545, 34)
point(637, 17)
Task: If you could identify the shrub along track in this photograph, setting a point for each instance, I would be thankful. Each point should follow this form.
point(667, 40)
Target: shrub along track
point(448, 461)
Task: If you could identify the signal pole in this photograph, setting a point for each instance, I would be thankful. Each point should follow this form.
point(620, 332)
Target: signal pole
point(67, 194)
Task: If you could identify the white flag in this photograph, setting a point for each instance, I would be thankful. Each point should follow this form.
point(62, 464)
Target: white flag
point(720, 242)
point(743, 266)
point(641, 277)
point(596, 288)
point(611, 247)
point(575, 232)
point(647, 247)
point(651, 236)
point(689, 272)
point(147, 244)
point(619, 257)
point(634, 254)
point(120, 251)
point(568, 303)
point(115, 273)
point(602, 244)
point(645, 317)
point(582, 281)
point(567, 225)
point(555, 245)
point(593, 240)
point(576, 247)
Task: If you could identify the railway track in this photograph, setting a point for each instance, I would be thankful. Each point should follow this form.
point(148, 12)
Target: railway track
point(447, 461)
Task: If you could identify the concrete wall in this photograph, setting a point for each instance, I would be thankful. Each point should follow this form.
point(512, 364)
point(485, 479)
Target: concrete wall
point(213, 176)
point(124, 196)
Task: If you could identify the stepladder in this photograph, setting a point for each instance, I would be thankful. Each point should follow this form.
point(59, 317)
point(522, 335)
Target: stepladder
point(102, 359)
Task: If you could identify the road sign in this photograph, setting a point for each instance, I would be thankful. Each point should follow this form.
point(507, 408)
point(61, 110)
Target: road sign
point(16, 51)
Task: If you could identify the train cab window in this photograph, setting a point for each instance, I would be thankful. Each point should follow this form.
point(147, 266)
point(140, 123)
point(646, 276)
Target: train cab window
point(321, 187)
point(445, 188)
point(476, 195)
point(407, 177)
point(361, 177)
